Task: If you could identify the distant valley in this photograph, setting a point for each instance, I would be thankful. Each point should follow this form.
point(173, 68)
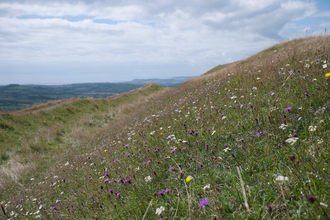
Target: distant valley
point(15, 96)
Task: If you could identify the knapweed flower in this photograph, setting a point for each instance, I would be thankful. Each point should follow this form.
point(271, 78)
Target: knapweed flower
point(288, 108)
point(128, 180)
point(161, 193)
point(91, 195)
point(281, 179)
point(106, 180)
point(148, 179)
point(189, 178)
point(167, 190)
point(172, 151)
point(160, 210)
point(118, 195)
point(54, 207)
point(269, 208)
point(172, 168)
point(204, 202)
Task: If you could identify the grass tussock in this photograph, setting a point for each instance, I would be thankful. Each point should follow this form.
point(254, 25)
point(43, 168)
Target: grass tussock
point(247, 141)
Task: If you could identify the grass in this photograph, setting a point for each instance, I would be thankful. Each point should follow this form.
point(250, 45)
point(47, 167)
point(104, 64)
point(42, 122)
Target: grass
point(248, 141)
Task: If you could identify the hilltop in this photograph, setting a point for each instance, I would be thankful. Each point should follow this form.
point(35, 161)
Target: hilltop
point(246, 140)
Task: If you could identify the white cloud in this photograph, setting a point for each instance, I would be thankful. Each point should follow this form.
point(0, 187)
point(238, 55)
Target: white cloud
point(147, 34)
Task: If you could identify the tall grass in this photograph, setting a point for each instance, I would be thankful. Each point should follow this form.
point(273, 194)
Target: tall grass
point(248, 141)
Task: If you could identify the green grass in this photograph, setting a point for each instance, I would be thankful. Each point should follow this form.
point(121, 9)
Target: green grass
point(206, 129)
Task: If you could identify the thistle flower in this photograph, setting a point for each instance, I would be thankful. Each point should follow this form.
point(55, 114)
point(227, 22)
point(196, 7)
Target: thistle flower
point(161, 193)
point(167, 190)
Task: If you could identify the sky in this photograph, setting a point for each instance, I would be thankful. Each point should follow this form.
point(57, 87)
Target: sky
point(53, 42)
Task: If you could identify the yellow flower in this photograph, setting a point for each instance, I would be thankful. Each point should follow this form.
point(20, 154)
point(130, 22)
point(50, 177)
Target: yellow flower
point(105, 150)
point(210, 102)
point(161, 133)
point(327, 75)
point(312, 62)
point(229, 82)
point(189, 178)
point(225, 88)
point(235, 88)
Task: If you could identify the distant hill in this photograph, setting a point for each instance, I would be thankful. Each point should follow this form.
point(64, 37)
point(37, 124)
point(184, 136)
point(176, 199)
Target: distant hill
point(175, 81)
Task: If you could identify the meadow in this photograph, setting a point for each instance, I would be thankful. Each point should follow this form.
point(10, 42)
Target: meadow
point(246, 140)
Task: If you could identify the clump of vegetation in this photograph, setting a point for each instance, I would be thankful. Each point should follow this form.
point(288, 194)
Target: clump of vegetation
point(249, 141)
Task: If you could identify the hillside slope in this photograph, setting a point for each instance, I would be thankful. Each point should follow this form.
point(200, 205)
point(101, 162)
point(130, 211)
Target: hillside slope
point(246, 141)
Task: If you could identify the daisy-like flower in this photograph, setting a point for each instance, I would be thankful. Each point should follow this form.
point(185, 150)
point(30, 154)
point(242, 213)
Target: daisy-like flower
point(324, 65)
point(148, 179)
point(224, 117)
point(207, 186)
point(283, 126)
point(281, 179)
point(312, 128)
point(160, 210)
point(226, 149)
point(292, 140)
point(327, 75)
point(189, 178)
point(254, 88)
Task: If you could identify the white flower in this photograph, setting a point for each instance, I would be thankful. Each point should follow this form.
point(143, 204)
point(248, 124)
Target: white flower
point(66, 164)
point(287, 65)
point(324, 65)
point(281, 179)
point(152, 133)
point(207, 186)
point(234, 97)
point(307, 65)
point(40, 207)
point(254, 88)
point(283, 126)
point(32, 179)
point(160, 210)
point(148, 179)
point(213, 132)
point(312, 128)
point(224, 117)
point(325, 205)
point(319, 141)
point(161, 128)
point(137, 169)
point(292, 140)
point(258, 78)
point(226, 149)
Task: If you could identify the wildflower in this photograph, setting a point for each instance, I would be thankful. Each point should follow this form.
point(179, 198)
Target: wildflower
point(292, 157)
point(204, 202)
point(118, 195)
point(323, 204)
point(312, 128)
point(54, 207)
point(167, 190)
point(317, 60)
point(160, 210)
point(172, 168)
point(91, 195)
point(161, 193)
point(324, 65)
point(224, 117)
point(189, 178)
point(307, 65)
point(241, 106)
point(283, 126)
point(292, 140)
point(288, 108)
point(327, 75)
point(106, 180)
point(128, 180)
point(311, 198)
point(254, 88)
point(281, 179)
point(269, 208)
point(233, 97)
point(299, 118)
point(226, 149)
point(207, 186)
point(148, 179)
point(149, 161)
point(57, 201)
point(291, 71)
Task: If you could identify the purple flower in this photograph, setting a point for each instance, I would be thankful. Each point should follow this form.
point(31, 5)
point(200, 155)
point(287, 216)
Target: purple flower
point(128, 155)
point(143, 163)
point(172, 151)
point(269, 208)
point(171, 168)
point(258, 134)
point(167, 190)
point(128, 180)
point(161, 193)
point(147, 149)
point(40, 198)
point(202, 125)
point(149, 161)
point(183, 149)
point(241, 106)
point(21, 200)
point(71, 205)
point(206, 145)
point(204, 202)
point(91, 195)
point(110, 190)
point(198, 118)
point(126, 145)
point(118, 195)
point(59, 216)
point(317, 60)
point(299, 118)
point(106, 180)
point(120, 180)
point(54, 207)
point(89, 176)
point(115, 160)
point(288, 108)
point(291, 71)
point(146, 142)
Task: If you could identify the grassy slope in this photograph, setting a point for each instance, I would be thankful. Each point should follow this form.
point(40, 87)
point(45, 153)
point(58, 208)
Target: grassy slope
point(206, 128)
point(36, 133)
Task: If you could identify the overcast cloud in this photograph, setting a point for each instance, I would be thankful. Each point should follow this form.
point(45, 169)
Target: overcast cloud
point(63, 41)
